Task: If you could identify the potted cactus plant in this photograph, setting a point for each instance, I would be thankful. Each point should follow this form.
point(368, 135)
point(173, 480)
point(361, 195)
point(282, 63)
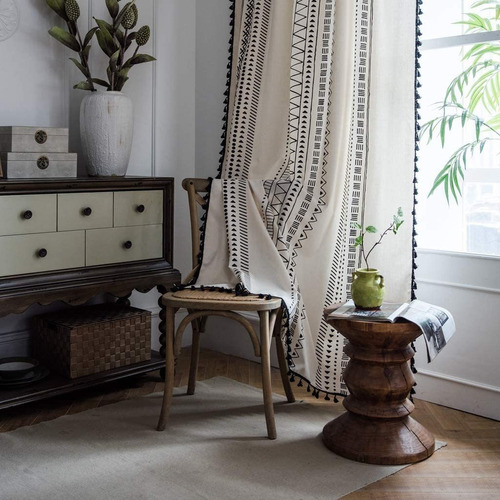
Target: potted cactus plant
point(106, 113)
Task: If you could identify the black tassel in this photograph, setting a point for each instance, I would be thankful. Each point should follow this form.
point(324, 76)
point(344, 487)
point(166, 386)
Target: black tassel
point(335, 400)
point(300, 384)
point(308, 388)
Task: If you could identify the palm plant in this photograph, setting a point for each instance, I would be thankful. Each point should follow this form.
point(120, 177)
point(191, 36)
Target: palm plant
point(114, 38)
point(471, 99)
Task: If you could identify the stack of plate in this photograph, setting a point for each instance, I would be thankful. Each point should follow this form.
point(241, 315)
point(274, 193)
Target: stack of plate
point(20, 371)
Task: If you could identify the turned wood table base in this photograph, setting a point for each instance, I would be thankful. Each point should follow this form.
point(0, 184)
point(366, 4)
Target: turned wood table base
point(377, 427)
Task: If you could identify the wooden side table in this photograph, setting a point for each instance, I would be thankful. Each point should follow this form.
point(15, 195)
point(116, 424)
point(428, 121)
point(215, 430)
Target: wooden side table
point(377, 427)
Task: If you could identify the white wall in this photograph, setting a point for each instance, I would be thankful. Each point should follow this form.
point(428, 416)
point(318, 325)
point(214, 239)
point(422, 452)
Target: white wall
point(212, 53)
point(466, 374)
point(35, 89)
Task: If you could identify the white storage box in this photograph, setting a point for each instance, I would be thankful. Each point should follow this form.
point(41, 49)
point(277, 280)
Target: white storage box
point(37, 165)
point(34, 140)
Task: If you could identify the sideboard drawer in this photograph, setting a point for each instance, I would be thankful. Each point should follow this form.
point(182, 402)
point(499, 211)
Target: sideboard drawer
point(36, 253)
point(136, 208)
point(124, 244)
point(26, 214)
point(84, 211)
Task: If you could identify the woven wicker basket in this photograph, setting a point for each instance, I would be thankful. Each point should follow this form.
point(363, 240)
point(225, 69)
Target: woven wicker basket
point(92, 339)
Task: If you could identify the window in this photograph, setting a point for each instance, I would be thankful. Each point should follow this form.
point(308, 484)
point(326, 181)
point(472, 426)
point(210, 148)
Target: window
point(473, 224)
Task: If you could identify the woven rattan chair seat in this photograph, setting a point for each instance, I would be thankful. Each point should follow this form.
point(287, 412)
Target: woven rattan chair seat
point(203, 299)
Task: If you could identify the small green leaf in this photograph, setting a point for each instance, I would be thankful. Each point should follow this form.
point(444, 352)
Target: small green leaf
point(120, 36)
point(103, 83)
point(81, 67)
point(65, 38)
point(442, 132)
point(89, 36)
point(83, 86)
point(106, 42)
point(138, 59)
point(86, 51)
point(58, 7)
point(371, 229)
point(104, 25)
point(113, 7)
point(120, 82)
point(113, 60)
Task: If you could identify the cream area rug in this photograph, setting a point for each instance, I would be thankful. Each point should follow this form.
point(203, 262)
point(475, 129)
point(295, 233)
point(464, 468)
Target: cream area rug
point(214, 447)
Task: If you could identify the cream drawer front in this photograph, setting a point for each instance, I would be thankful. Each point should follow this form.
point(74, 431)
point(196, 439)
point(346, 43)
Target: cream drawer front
point(24, 214)
point(109, 246)
point(137, 208)
point(84, 211)
point(25, 254)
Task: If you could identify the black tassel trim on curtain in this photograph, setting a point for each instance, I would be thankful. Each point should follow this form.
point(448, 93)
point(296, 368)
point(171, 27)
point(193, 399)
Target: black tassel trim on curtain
point(418, 43)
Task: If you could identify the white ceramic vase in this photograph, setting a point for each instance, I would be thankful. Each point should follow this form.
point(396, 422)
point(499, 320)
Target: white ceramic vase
point(106, 131)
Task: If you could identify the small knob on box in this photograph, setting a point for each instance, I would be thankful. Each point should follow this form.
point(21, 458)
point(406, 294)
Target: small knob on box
point(42, 253)
point(27, 215)
point(127, 245)
point(43, 163)
point(140, 208)
point(41, 136)
point(87, 211)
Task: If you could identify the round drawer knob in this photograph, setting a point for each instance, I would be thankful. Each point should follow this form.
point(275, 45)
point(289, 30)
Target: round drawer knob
point(27, 215)
point(41, 136)
point(42, 253)
point(42, 163)
point(127, 245)
point(140, 208)
point(87, 211)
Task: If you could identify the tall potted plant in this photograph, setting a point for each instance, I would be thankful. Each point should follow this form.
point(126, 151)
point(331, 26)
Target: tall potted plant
point(106, 115)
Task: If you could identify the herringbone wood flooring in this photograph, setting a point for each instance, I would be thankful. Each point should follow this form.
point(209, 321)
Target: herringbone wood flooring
point(469, 467)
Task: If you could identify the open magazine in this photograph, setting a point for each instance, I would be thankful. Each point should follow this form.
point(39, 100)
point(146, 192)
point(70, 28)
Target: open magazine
point(436, 323)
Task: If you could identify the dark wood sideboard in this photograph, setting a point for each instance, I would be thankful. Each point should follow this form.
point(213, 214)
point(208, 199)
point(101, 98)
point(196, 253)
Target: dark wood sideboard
point(71, 239)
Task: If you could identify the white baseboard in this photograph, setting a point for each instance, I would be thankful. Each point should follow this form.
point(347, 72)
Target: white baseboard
point(461, 394)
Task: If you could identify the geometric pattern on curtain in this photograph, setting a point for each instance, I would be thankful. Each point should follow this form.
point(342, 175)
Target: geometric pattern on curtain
point(293, 176)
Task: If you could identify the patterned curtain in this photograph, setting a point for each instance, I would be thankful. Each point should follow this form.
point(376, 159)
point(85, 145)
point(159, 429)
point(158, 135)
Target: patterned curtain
point(320, 134)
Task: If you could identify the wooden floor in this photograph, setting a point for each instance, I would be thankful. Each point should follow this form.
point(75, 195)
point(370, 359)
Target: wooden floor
point(469, 467)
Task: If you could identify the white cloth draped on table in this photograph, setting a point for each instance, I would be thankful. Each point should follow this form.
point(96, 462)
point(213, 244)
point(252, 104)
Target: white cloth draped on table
point(320, 134)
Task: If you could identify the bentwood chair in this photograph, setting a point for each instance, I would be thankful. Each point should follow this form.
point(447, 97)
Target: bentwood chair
point(201, 304)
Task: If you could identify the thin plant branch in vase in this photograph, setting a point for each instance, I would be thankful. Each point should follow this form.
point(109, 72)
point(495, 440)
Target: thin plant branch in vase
point(114, 38)
point(394, 226)
point(367, 288)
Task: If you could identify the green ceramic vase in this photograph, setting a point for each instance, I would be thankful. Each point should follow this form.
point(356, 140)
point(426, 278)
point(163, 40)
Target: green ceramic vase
point(367, 289)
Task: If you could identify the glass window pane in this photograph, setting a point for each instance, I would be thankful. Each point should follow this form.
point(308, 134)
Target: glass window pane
point(474, 224)
point(439, 18)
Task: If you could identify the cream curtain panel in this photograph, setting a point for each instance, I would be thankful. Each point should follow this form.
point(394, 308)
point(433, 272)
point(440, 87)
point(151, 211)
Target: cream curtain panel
point(320, 134)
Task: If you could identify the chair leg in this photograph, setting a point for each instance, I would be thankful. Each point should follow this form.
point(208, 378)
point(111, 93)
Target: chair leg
point(265, 343)
point(198, 328)
point(280, 351)
point(170, 366)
